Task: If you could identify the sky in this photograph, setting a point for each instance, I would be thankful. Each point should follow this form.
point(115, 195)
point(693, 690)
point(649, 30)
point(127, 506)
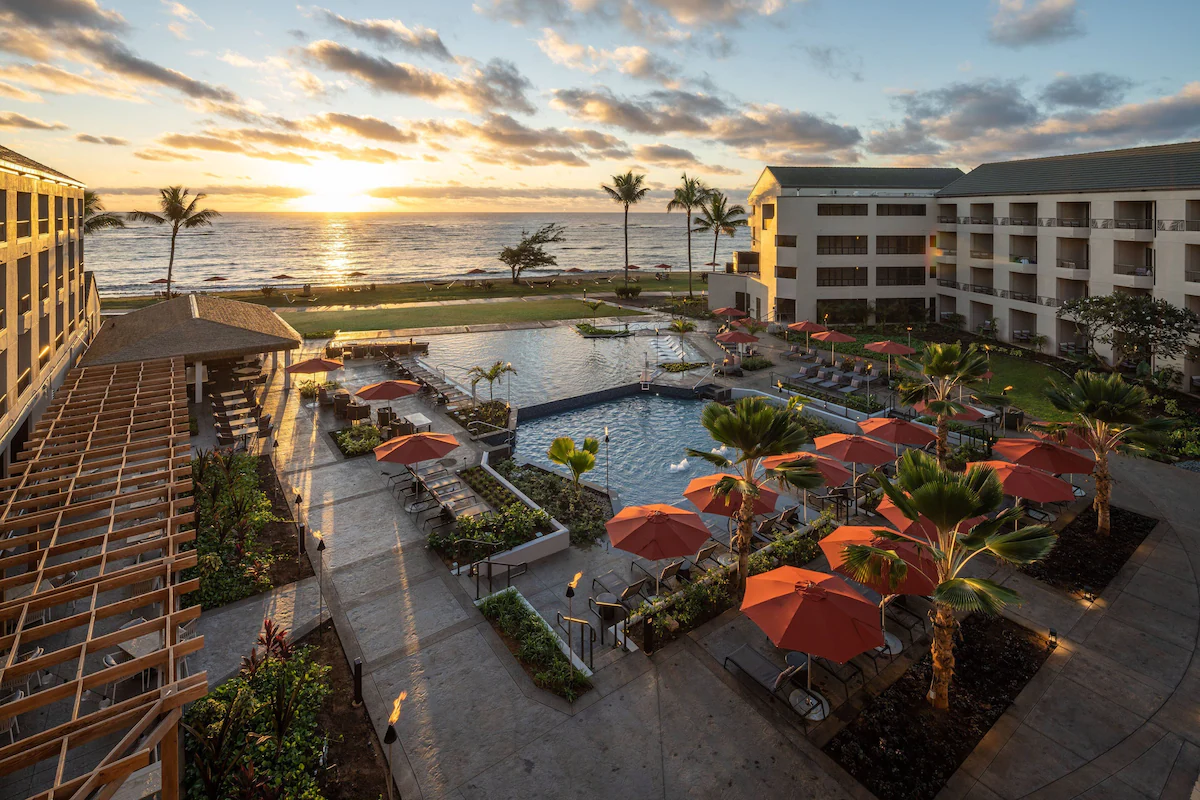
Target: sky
point(523, 105)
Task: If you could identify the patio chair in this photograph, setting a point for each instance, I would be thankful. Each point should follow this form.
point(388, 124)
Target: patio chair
point(842, 673)
point(905, 619)
point(778, 682)
point(856, 384)
point(665, 576)
point(23, 682)
point(705, 555)
point(9, 724)
point(625, 591)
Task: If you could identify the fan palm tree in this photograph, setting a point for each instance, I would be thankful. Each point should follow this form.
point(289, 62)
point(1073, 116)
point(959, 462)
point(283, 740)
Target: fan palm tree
point(578, 460)
point(177, 208)
point(944, 368)
point(1107, 412)
point(491, 375)
point(95, 218)
point(925, 488)
point(628, 190)
point(689, 195)
point(754, 429)
point(717, 217)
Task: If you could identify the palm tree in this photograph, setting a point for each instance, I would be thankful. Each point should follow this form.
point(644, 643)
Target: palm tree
point(944, 368)
point(177, 209)
point(628, 190)
point(924, 488)
point(716, 218)
point(1107, 412)
point(576, 459)
point(754, 429)
point(95, 218)
point(491, 375)
point(689, 195)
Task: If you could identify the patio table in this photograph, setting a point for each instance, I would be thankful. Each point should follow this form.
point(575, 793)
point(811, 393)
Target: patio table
point(419, 421)
point(809, 703)
point(231, 413)
point(143, 645)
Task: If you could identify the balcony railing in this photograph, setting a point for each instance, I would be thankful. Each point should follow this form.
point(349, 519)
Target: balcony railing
point(24, 228)
point(1179, 224)
point(1072, 263)
point(944, 218)
point(1022, 259)
point(1024, 297)
point(1107, 223)
point(1136, 270)
point(1191, 276)
point(1063, 222)
point(945, 251)
point(981, 254)
point(945, 283)
point(978, 220)
point(1030, 221)
point(785, 272)
point(914, 281)
point(979, 288)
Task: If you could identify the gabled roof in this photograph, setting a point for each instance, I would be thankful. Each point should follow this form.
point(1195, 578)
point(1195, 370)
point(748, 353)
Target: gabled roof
point(1167, 166)
point(25, 163)
point(865, 177)
point(196, 327)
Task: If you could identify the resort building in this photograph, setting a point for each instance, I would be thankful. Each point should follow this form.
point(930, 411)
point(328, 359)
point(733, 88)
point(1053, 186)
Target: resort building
point(836, 242)
point(49, 307)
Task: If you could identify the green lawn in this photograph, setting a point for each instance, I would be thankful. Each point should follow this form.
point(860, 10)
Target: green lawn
point(436, 316)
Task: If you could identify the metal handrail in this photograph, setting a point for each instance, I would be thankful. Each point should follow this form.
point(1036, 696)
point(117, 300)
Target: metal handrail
point(618, 640)
point(511, 571)
point(584, 626)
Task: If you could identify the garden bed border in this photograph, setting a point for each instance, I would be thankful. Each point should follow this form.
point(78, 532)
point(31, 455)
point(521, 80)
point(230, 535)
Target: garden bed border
point(566, 650)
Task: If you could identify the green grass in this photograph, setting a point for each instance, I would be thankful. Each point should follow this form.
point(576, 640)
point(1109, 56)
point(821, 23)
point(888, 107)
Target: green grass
point(437, 316)
point(416, 292)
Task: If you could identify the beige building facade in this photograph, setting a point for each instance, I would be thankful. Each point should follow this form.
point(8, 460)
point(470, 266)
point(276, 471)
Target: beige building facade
point(49, 307)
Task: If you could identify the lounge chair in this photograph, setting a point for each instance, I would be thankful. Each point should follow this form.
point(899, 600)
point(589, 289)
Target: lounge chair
point(665, 576)
point(778, 682)
point(705, 555)
point(625, 591)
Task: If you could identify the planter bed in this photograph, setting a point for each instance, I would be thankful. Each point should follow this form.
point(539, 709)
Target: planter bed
point(489, 490)
point(508, 529)
point(493, 413)
point(355, 430)
point(901, 748)
point(551, 491)
point(589, 331)
point(280, 535)
point(535, 645)
point(1082, 560)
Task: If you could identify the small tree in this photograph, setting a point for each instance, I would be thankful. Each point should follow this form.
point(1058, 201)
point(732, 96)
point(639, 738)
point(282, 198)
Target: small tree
point(944, 369)
point(578, 460)
point(1134, 325)
point(531, 253)
point(628, 190)
point(690, 194)
point(95, 218)
point(717, 217)
point(177, 208)
point(491, 375)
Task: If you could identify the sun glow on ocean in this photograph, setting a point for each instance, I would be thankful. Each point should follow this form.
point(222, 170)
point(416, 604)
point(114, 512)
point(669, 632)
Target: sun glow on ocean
point(340, 186)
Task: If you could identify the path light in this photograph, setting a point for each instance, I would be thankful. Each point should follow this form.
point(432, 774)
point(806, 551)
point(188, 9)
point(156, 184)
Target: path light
point(571, 608)
point(1053, 639)
point(389, 738)
point(910, 335)
point(1004, 407)
point(299, 526)
point(606, 489)
point(320, 576)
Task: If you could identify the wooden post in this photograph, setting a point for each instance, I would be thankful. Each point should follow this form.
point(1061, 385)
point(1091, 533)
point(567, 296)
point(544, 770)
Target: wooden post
point(170, 764)
point(199, 381)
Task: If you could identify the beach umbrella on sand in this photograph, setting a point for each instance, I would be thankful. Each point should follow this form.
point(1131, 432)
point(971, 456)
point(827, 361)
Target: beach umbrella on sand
point(632, 266)
point(476, 271)
point(897, 431)
point(834, 338)
point(730, 312)
point(891, 349)
point(575, 269)
point(712, 264)
point(283, 276)
point(657, 531)
point(808, 328)
point(212, 278)
point(159, 281)
point(662, 266)
point(357, 274)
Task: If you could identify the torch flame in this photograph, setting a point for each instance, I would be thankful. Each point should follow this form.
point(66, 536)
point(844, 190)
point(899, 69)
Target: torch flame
point(575, 580)
point(317, 535)
point(395, 715)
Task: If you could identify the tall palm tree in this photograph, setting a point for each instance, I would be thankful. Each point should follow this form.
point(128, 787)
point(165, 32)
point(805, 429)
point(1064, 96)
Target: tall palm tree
point(95, 218)
point(177, 208)
point(944, 368)
point(491, 375)
point(628, 190)
point(1108, 414)
point(578, 460)
point(689, 195)
point(717, 217)
point(924, 488)
point(754, 429)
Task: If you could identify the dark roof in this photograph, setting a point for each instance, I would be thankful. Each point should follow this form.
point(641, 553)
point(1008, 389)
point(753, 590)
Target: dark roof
point(197, 327)
point(13, 157)
point(865, 177)
point(1166, 166)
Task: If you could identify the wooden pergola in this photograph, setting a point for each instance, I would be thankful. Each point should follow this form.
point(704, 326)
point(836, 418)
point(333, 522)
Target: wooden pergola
point(94, 517)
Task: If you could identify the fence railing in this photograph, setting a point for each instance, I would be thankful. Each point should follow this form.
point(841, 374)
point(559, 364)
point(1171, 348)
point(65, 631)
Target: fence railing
point(1064, 222)
point(1129, 224)
point(1072, 263)
point(1179, 224)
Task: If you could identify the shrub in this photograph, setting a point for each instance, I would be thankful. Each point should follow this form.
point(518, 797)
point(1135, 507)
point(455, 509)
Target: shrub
point(682, 325)
point(489, 533)
point(553, 492)
point(267, 291)
point(309, 389)
point(587, 329)
point(753, 363)
point(683, 307)
point(492, 412)
point(681, 366)
point(628, 292)
point(320, 334)
point(536, 645)
point(357, 440)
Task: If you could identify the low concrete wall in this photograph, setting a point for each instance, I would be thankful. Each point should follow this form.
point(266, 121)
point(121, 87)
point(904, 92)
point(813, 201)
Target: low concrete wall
point(845, 422)
point(576, 661)
point(601, 396)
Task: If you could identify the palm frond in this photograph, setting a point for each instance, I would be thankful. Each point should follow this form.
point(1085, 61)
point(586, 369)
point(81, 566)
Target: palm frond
point(868, 564)
point(975, 594)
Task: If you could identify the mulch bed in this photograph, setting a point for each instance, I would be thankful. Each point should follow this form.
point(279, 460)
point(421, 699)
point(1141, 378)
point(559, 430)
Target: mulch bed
point(280, 537)
point(355, 765)
point(1081, 560)
point(901, 748)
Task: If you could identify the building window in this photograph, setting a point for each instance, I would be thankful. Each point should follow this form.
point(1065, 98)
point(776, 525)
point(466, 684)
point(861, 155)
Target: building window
point(3, 216)
point(841, 276)
point(900, 276)
point(841, 245)
point(782, 240)
point(43, 210)
point(58, 214)
point(24, 215)
point(785, 272)
point(70, 214)
point(843, 312)
point(768, 214)
point(841, 209)
point(900, 210)
point(899, 245)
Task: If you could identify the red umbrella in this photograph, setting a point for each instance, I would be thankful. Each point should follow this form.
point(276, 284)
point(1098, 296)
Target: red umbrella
point(711, 264)
point(357, 274)
point(812, 612)
point(808, 328)
point(283, 276)
point(854, 449)
point(388, 390)
point(1066, 436)
point(897, 431)
point(736, 337)
point(731, 312)
point(415, 448)
point(968, 414)
point(1044, 455)
point(212, 278)
point(832, 471)
point(572, 269)
point(1029, 483)
point(890, 349)
point(478, 271)
point(632, 266)
point(160, 280)
point(700, 492)
point(662, 266)
point(921, 529)
point(657, 531)
point(922, 569)
point(834, 338)
point(314, 365)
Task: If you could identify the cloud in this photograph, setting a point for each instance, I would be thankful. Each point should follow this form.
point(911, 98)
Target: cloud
point(764, 132)
point(689, 13)
point(112, 55)
point(1018, 25)
point(508, 141)
point(659, 112)
point(17, 93)
point(238, 190)
point(634, 61)
point(88, 138)
point(64, 13)
point(184, 17)
point(156, 154)
point(836, 62)
point(666, 155)
point(961, 110)
point(908, 138)
point(11, 119)
point(282, 70)
point(392, 33)
point(55, 80)
point(495, 85)
point(219, 144)
point(366, 127)
point(454, 192)
point(1093, 90)
point(292, 147)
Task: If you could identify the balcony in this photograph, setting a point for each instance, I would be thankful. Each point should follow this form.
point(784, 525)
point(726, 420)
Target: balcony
point(976, 220)
point(1191, 276)
point(24, 228)
point(1192, 225)
point(1137, 276)
point(1075, 226)
point(944, 219)
point(949, 284)
point(785, 272)
point(1023, 264)
point(979, 288)
point(945, 252)
point(1072, 263)
point(1127, 229)
point(1025, 297)
point(986, 255)
point(1027, 222)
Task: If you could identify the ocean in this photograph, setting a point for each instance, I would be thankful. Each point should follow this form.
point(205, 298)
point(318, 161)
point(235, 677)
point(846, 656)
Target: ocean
point(323, 248)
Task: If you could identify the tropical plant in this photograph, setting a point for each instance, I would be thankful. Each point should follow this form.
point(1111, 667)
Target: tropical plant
point(491, 375)
point(177, 208)
point(578, 460)
point(717, 217)
point(95, 218)
point(944, 370)
point(1109, 414)
point(530, 252)
point(947, 499)
point(594, 305)
point(1039, 341)
point(628, 190)
point(1134, 325)
point(682, 325)
point(689, 195)
point(754, 429)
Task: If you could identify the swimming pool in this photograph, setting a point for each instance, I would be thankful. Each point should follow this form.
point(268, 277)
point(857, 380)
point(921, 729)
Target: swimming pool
point(555, 363)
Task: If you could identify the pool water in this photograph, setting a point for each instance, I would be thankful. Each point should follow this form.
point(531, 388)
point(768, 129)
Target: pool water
point(647, 437)
point(554, 363)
